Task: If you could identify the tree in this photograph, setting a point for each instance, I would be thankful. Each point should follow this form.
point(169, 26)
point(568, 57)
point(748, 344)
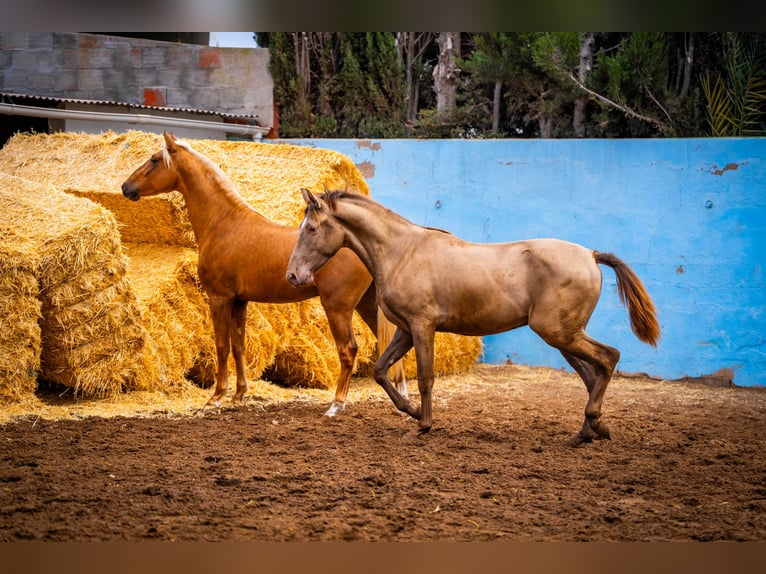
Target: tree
point(446, 73)
point(563, 84)
point(736, 104)
point(370, 100)
point(587, 39)
point(330, 84)
point(492, 61)
point(411, 48)
point(631, 79)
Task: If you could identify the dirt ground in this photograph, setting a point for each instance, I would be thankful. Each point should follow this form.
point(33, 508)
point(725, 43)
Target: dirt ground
point(686, 462)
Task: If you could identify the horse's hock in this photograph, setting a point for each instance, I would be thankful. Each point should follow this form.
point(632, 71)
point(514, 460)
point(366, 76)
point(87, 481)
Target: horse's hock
point(101, 294)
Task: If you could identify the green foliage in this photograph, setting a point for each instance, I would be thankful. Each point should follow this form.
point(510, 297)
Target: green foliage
point(736, 102)
point(493, 57)
point(354, 88)
point(523, 84)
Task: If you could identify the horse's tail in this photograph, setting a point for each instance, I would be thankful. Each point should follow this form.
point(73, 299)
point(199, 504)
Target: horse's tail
point(386, 330)
point(643, 316)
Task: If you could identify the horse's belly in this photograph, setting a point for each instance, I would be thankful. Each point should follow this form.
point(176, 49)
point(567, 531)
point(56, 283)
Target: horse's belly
point(485, 320)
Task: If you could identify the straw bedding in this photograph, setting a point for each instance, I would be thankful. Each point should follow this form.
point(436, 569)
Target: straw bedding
point(19, 313)
point(91, 337)
point(102, 293)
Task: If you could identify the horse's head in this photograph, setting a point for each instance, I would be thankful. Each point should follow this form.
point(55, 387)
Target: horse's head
point(156, 175)
point(319, 238)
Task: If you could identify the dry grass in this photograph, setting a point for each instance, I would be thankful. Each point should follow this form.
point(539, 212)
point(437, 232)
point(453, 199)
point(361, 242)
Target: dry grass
point(189, 399)
point(20, 340)
point(91, 338)
point(500, 382)
point(268, 176)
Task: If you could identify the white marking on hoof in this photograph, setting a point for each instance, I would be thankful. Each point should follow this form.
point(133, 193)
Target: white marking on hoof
point(335, 408)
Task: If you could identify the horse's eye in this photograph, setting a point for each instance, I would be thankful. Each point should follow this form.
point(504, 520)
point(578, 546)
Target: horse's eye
point(155, 160)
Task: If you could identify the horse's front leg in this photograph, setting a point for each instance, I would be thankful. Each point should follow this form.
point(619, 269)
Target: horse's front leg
point(237, 337)
point(342, 330)
point(220, 309)
point(400, 344)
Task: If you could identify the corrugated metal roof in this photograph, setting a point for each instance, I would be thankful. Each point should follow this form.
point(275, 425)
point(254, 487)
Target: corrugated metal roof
point(9, 98)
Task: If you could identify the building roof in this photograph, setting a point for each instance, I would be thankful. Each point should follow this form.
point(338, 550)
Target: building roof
point(8, 97)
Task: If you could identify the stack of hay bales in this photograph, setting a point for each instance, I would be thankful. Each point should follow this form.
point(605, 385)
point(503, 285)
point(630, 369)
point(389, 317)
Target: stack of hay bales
point(19, 310)
point(90, 333)
point(160, 284)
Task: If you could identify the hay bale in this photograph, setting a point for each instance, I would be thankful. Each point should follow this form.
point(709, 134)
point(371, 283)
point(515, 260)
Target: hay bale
point(268, 176)
point(91, 337)
point(308, 357)
point(176, 314)
point(453, 354)
point(173, 309)
point(19, 315)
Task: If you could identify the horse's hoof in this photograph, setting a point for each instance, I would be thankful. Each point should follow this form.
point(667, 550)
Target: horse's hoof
point(423, 429)
point(576, 440)
point(602, 431)
point(211, 404)
point(411, 436)
point(334, 409)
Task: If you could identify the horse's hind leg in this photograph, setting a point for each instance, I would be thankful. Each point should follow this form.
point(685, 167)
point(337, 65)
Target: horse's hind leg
point(383, 329)
point(424, 353)
point(237, 337)
point(595, 363)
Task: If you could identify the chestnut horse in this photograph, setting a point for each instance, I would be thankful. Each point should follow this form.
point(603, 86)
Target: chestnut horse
point(243, 257)
point(429, 280)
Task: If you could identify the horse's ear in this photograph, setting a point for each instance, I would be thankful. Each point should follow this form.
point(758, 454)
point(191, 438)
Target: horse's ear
point(170, 141)
point(309, 198)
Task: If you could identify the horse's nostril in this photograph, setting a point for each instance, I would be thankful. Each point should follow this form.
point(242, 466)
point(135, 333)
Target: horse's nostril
point(129, 192)
point(292, 278)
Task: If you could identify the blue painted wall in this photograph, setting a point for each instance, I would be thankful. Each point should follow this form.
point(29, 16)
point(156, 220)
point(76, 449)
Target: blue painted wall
point(688, 215)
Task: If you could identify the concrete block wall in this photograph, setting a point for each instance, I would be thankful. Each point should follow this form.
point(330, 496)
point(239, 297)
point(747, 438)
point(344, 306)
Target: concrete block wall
point(139, 72)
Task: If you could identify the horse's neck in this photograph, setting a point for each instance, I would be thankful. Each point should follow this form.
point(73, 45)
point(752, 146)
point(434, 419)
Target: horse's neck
point(378, 236)
point(210, 198)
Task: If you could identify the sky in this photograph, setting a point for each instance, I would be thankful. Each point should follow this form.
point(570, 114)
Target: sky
point(232, 40)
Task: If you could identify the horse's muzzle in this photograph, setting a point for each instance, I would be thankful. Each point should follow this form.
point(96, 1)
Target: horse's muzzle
point(130, 192)
point(299, 279)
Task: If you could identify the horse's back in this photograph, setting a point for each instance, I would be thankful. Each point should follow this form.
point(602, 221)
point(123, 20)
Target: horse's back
point(485, 288)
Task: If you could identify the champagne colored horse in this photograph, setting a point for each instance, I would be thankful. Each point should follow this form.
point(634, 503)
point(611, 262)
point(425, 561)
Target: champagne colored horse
point(243, 257)
point(429, 280)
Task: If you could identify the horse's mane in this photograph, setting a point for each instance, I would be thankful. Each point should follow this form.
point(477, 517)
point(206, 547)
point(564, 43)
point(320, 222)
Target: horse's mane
point(218, 175)
point(332, 198)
